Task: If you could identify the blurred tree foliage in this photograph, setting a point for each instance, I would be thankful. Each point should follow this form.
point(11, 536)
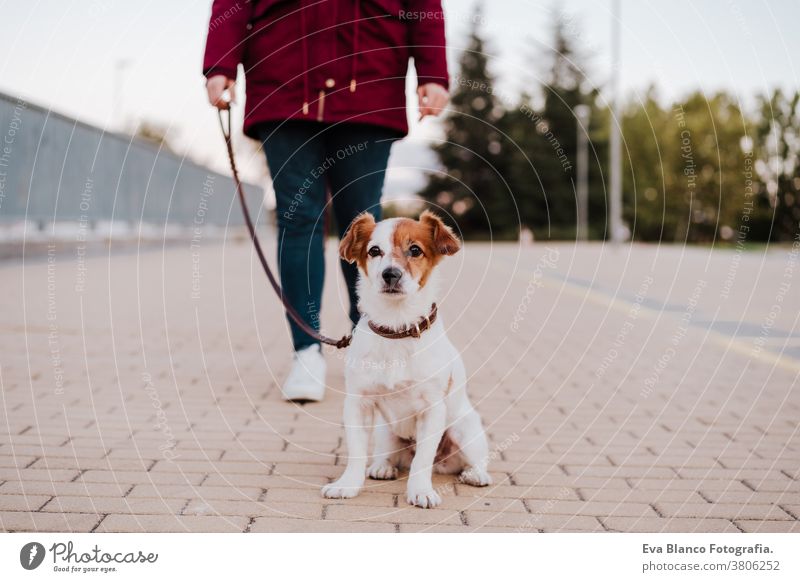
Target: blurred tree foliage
point(542, 165)
point(685, 169)
point(472, 189)
point(702, 169)
point(778, 164)
point(154, 133)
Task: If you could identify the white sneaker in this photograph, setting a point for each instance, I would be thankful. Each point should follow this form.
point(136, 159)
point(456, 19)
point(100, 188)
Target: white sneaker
point(306, 380)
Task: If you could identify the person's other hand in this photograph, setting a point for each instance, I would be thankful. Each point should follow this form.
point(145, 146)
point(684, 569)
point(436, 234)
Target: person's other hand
point(216, 87)
point(432, 99)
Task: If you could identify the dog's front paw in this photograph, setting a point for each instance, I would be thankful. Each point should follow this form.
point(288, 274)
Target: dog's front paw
point(382, 470)
point(475, 477)
point(340, 490)
point(423, 497)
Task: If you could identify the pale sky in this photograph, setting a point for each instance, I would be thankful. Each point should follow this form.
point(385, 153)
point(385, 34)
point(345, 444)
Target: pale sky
point(61, 54)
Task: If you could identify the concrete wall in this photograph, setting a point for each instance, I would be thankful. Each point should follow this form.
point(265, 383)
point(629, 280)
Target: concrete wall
point(54, 168)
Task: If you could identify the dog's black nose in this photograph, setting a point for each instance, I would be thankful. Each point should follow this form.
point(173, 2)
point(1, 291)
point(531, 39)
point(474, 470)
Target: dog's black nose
point(391, 275)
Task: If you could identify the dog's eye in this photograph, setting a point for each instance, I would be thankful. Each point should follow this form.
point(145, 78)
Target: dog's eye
point(414, 251)
point(374, 251)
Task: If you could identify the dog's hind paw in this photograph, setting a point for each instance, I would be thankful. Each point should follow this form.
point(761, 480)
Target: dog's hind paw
point(383, 470)
point(339, 490)
point(475, 477)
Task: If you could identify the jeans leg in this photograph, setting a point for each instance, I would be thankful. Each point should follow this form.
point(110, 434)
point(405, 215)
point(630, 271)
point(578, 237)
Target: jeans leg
point(361, 153)
point(294, 151)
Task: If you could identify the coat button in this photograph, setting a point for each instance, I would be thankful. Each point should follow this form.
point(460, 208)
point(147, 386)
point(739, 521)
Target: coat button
point(330, 83)
point(249, 26)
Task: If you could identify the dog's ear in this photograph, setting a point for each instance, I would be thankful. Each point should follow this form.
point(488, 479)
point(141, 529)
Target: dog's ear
point(353, 244)
point(444, 240)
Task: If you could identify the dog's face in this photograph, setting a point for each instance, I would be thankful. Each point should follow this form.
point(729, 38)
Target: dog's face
point(397, 256)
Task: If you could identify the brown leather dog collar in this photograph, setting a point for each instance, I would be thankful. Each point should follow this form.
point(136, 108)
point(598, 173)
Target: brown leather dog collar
point(414, 330)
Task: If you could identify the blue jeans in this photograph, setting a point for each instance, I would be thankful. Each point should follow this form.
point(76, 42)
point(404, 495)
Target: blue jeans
point(305, 158)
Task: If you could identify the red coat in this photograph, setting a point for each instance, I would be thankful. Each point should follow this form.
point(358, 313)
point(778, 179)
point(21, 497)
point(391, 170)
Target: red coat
point(326, 60)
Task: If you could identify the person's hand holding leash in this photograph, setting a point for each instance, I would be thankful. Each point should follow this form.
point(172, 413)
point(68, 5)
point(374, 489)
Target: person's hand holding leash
point(216, 87)
point(432, 99)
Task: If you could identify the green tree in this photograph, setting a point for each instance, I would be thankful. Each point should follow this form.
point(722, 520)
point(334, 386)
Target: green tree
point(647, 209)
point(716, 128)
point(685, 169)
point(472, 187)
point(778, 151)
point(533, 169)
point(543, 171)
point(154, 133)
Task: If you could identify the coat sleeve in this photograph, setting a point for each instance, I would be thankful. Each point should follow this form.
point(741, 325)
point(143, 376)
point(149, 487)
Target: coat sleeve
point(227, 33)
point(427, 41)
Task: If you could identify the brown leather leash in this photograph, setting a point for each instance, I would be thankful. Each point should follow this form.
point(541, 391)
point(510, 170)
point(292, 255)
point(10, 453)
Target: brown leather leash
point(415, 331)
point(291, 311)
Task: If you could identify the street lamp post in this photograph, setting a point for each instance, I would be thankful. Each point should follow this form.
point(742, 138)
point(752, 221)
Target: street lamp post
point(615, 155)
point(582, 188)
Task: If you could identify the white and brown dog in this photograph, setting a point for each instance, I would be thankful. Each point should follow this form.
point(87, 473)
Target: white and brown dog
point(403, 376)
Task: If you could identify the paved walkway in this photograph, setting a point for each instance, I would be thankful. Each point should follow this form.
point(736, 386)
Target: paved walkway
point(143, 395)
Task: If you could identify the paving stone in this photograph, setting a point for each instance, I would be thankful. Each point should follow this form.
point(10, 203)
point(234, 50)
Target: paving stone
point(735, 511)
point(22, 502)
point(288, 495)
point(254, 508)
point(122, 505)
point(69, 488)
point(11, 521)
point(172, 523)
point(400, 514)
point(281, 525)
point(761, 526)
point(669, 525)
point(527, 522)
point(189, 492)
point(266, 481)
